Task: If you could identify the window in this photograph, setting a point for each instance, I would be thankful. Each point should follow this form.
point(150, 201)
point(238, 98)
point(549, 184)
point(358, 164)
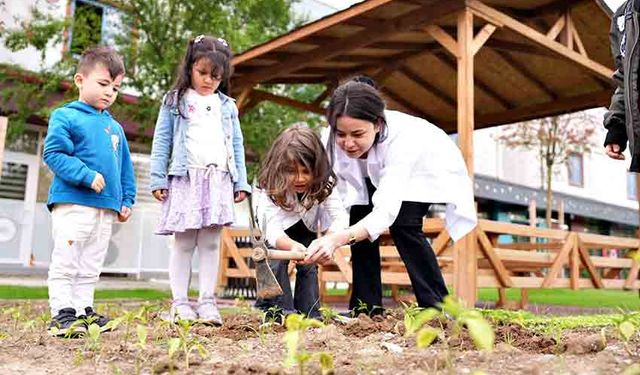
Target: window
point(93, 23)
point(575, 170)
point(86, 28)
point(632, 186)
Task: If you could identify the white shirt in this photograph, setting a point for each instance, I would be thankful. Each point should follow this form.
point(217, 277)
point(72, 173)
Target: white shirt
point(204, 135)
point(417, 162)
point(273, 221)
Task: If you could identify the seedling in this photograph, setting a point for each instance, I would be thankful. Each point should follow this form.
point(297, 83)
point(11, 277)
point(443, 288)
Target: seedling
point(294, 341)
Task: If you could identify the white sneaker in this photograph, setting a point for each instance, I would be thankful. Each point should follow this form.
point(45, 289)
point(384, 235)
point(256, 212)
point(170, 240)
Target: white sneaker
point(182, 310)
point(208, 312)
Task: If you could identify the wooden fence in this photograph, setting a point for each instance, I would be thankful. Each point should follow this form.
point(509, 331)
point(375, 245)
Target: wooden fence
point(540, 258)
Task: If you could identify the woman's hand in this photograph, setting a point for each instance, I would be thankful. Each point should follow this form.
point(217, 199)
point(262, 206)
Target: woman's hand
point(321, 250)
point(160, 194)
point(239, 196)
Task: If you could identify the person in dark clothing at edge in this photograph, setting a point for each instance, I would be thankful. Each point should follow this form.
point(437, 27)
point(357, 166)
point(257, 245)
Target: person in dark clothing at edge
point(622, 120)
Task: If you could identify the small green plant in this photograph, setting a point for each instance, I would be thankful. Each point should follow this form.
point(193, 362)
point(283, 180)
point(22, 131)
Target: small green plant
point(328, 314)
point(415, 319)
point(185, 342)
point(479, 328)
point(128, 318)
point(142, 333)
point(626, 328)
point(92, 338)
point(297, 325)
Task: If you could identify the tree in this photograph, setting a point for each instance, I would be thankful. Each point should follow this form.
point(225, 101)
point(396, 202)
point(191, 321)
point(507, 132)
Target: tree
point(555, 139)
point(152, 38)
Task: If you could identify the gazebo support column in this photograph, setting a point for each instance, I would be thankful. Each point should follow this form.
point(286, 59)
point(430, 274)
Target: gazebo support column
point(465, 263)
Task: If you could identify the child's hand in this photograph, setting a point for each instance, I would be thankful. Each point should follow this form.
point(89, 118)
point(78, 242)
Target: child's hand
point(298, 247)
point(160, 195)
point(240, 196)
point(98, 183)
point(124, 214)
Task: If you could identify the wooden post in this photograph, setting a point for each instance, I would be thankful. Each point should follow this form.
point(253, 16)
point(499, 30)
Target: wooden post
point(533, 218)
point(4, 123)
point(465, 263)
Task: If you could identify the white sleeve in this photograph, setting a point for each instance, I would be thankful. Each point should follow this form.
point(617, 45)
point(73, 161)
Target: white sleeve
point(336, 212)
point(269, 217)
point(398, 165)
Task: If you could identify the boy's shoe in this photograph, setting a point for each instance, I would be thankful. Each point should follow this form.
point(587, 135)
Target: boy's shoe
point(65, 324)
point(92, 317)
point(208, 312)
point(180, 310)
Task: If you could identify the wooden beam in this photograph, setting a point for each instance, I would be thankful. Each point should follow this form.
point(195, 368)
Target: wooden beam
point(263, 95)
point(242, 98)
point(557, 27)
point(489, 13)
point(324, 95)
point(593, 272)
point(440, 94)
point(451, 62)
point(529, 49)
point(559, 106)
point(361, 39)
point(482, 37)
point(309, 30)
point(408, 105)
point(501, 271)
point(439, 244)
point(465, 262)
point(578, 40)
point(524, 71)
point(560, 260)
point(444, 39)
point(566, 36)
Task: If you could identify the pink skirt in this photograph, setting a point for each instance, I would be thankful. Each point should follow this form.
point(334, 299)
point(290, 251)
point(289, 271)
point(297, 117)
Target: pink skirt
point(202, 198)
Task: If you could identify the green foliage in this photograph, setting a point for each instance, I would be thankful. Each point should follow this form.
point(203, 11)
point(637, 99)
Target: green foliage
point(152, 38)
point(415, 320)
point(296, 354)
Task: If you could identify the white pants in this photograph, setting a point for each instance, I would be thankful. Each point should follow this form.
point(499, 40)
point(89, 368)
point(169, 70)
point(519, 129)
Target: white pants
point(207, 240)
point(81, 237)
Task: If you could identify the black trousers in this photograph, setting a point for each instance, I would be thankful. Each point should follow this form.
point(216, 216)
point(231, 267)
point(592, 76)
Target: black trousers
point(416, 253)
point(306, 299)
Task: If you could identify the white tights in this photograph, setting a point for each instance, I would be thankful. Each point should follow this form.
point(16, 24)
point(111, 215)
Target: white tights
point(207, 240)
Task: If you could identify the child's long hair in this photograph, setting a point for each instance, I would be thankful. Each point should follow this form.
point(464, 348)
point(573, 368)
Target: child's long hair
point(297, 144)
point(219, 55)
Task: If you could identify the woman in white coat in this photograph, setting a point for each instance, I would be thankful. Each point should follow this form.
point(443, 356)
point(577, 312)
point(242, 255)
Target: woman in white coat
point(391, 167)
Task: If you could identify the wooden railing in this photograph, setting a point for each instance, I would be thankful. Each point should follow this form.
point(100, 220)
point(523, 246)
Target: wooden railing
point(539, 263)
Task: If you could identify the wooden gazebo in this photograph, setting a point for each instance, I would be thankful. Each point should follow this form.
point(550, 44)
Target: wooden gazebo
point(462, 64)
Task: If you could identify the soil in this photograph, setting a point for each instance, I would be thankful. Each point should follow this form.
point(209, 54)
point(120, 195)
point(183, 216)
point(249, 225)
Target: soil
point(244, 346)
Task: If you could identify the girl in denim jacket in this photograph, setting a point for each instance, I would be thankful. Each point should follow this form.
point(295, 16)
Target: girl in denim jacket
point(198, 171)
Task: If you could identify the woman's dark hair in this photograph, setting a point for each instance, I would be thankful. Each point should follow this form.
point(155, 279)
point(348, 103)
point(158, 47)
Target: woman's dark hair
point(357, 98)
point(217, 52)
point(297, 144)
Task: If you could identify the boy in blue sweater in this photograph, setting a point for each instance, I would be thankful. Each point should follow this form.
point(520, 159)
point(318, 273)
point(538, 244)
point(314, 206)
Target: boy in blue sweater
point(94, 183)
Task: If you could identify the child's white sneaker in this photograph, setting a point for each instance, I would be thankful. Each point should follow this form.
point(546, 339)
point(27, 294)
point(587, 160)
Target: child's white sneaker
point(208, 312)
point(182, 310)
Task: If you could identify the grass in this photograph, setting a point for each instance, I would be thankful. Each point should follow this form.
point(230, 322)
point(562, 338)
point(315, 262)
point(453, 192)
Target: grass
point(25, 292)
point(606, 298)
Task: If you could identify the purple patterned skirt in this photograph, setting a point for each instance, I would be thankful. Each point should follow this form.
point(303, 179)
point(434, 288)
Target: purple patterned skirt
point(202, 198)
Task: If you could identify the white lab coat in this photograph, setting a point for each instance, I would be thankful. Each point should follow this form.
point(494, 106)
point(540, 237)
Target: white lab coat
point(329, 215)
point(417, 162)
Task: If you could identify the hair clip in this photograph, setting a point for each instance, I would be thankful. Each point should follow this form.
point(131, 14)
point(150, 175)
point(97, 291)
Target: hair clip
point(198, 39)
point(224, 42)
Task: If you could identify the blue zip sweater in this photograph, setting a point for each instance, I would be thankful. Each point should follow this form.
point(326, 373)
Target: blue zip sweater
point(82, 141)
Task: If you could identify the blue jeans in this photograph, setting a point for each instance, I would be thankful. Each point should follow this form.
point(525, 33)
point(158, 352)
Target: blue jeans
point(306, 297)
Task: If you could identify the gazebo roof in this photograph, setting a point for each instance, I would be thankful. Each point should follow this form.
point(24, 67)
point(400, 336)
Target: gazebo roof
point(540, 57)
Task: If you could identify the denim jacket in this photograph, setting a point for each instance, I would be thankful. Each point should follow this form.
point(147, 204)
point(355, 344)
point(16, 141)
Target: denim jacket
point(169, 150)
